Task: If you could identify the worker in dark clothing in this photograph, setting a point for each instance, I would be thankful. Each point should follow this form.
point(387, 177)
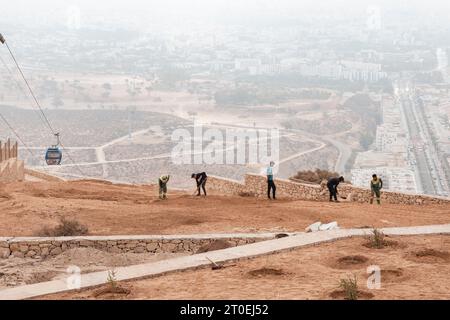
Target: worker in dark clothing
point(201, 181)
point(332, 187)
point(270, 183)
point(376, 184)
point(162, 181)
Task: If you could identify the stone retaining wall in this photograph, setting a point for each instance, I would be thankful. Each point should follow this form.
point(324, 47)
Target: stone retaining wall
point(226, 186)
point(43, 247)
point(256, 185)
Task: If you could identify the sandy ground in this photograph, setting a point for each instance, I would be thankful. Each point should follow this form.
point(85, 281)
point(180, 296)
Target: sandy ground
point(108, 209)
point(307, 273)
point(21, 271)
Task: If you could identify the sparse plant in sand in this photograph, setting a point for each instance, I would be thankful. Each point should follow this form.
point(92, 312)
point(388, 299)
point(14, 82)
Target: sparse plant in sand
point(376, 240)
point(65, 228)
point(112, 280)
point(112, 287)
point(349, 287)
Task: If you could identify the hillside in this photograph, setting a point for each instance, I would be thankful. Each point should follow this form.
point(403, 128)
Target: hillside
point(116, 209)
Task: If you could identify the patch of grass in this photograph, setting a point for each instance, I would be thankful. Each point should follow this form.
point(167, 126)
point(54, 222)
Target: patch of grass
point(65, 228)
point(349, 287)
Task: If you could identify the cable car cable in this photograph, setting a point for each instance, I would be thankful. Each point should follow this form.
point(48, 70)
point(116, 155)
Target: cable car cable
point(29, 88)
point(2, 40)
point(19, 86)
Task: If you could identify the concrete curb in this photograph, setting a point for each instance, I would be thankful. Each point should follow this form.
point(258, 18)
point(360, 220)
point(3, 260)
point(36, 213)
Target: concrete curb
point(149, 237)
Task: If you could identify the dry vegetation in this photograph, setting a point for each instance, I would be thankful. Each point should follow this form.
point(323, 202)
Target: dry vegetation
point(377, 240)
point(65, 228)
point(350, 288)
point(112, 289)
point(316, 176)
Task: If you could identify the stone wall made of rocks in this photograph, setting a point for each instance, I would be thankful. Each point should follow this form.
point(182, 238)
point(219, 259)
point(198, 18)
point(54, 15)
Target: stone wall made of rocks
point(225, 186)
point(256, 185)
point(43, 247)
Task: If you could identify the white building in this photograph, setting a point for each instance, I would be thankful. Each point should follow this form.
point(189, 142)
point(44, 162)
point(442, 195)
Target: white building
point(390, 159)
point(398, 179)
point(343, 70)
point(362, 71)
point(252, 66)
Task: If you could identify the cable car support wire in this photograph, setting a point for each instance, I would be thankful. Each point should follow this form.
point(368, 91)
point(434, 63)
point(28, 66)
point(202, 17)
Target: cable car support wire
point(46, 121)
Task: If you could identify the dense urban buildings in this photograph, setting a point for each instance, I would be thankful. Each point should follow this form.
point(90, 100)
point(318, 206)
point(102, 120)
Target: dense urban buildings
point(357, 96)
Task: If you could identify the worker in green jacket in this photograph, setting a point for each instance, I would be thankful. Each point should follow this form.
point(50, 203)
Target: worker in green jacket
point(162, 181)
point(376, 184)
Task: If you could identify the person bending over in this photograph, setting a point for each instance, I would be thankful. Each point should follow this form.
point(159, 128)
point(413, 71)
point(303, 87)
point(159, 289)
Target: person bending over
point(332, 187)
point(200, 178)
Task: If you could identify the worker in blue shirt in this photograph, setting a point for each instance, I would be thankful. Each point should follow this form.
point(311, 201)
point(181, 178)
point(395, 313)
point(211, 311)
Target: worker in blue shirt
point(270, 182)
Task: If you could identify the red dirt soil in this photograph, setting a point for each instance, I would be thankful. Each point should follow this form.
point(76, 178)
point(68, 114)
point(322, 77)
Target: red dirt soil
point(306, 273)
point(114, 209)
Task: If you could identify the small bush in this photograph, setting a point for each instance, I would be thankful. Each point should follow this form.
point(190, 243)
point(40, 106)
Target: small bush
point(349, 287)
point(376, 240)
point(65, 228)
point(112, 288)
point(316, 176)
point(112, 280)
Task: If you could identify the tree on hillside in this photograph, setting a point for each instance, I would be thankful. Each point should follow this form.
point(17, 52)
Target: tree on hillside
point(316, 176)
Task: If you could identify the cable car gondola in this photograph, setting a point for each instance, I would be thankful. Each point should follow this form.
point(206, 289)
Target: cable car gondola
point(53, 155)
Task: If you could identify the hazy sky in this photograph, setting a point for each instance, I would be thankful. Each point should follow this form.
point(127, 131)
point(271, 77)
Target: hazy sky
point(55, 11)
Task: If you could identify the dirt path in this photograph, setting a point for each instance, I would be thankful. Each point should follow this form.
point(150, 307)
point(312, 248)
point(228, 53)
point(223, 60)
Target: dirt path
point(118, 209)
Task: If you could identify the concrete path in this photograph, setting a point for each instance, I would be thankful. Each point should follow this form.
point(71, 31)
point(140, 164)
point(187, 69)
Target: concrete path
point(201, 260)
